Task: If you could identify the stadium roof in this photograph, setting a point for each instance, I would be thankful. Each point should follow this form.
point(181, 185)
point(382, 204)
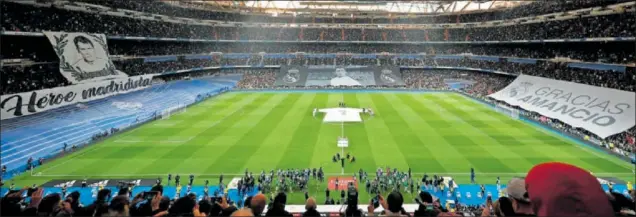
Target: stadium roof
point(367, 7)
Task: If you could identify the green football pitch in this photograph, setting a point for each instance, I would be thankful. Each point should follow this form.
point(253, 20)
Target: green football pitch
point(433, 133)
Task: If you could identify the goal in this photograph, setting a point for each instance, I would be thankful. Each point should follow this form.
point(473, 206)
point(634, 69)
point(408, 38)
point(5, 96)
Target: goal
point(179, 108)
point(507, 110)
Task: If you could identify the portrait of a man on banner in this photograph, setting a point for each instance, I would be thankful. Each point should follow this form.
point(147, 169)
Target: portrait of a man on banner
point(88, 58)
point(83, 57)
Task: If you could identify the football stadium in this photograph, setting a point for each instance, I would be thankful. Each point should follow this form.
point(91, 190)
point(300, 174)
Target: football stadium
point(318, 108)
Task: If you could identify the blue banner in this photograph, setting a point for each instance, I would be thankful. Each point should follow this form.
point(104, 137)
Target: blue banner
point(279, 56)
point(409, 56)
point(160, 59)
point(521, 60)
point(363, 56)
point(236, 55)
point(448, 57)
point(485, 58)
point(321, 55)
point(198, 57)
point(598, 66)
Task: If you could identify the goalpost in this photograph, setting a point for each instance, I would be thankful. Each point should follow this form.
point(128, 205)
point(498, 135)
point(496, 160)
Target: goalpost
point(507, 110)
point(179, 108)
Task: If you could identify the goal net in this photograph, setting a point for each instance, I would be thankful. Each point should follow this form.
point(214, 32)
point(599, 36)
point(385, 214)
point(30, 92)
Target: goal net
point(507, 110)
point(166, 113)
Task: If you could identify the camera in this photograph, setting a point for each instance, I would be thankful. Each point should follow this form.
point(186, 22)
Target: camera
point(376, 201)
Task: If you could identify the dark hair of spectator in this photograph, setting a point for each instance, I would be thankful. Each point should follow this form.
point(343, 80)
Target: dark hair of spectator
point(48, 203)
point(505, 207)
point(183, 206)
point(118, 204)
point(158, 188)
point(395, 201)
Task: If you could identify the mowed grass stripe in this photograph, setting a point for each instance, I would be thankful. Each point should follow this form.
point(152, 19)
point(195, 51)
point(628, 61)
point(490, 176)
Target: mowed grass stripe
point(567, 151)
point(87, 156)
point(172, 158)
point(508, 133)
point(271, 150)
point(491, 127)
point(299, 150)
point(418, 156)
point(425, 139)
point(276, 143)
point(480, 136)
point(142, 156)
point(325, 144)
point(382, 145)
point(188, 153)
point(359, 144)
point(235, 157)
point(438, 136)
point(564, 149)
point(480, 157)
point(155, 131)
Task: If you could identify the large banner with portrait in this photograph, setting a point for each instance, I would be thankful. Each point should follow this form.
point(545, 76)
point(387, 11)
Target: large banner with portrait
point(338, 76)
point(602, 111)
point(83, 57)
point(28, 103)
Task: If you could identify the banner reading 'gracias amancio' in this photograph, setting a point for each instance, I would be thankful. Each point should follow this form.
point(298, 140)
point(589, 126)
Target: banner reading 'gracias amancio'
point(602, 111)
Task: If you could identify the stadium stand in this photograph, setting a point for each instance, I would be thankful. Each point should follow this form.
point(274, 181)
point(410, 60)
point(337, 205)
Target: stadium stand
point(616, 52)
point(253, 79)
point(207, 12)
point(27, 18)
point(194, 70)
point(44, 135)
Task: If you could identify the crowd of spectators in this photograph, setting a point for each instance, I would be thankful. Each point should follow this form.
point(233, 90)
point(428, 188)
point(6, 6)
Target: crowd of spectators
point(257, 79)
point(428, 79)
point(475, 83)
point(554, 70)
point(20, 78)
point(24, 18)
point(17, 79)
point(205, 11)
point(545, 191)
point(616, 52)
point(139, 67)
